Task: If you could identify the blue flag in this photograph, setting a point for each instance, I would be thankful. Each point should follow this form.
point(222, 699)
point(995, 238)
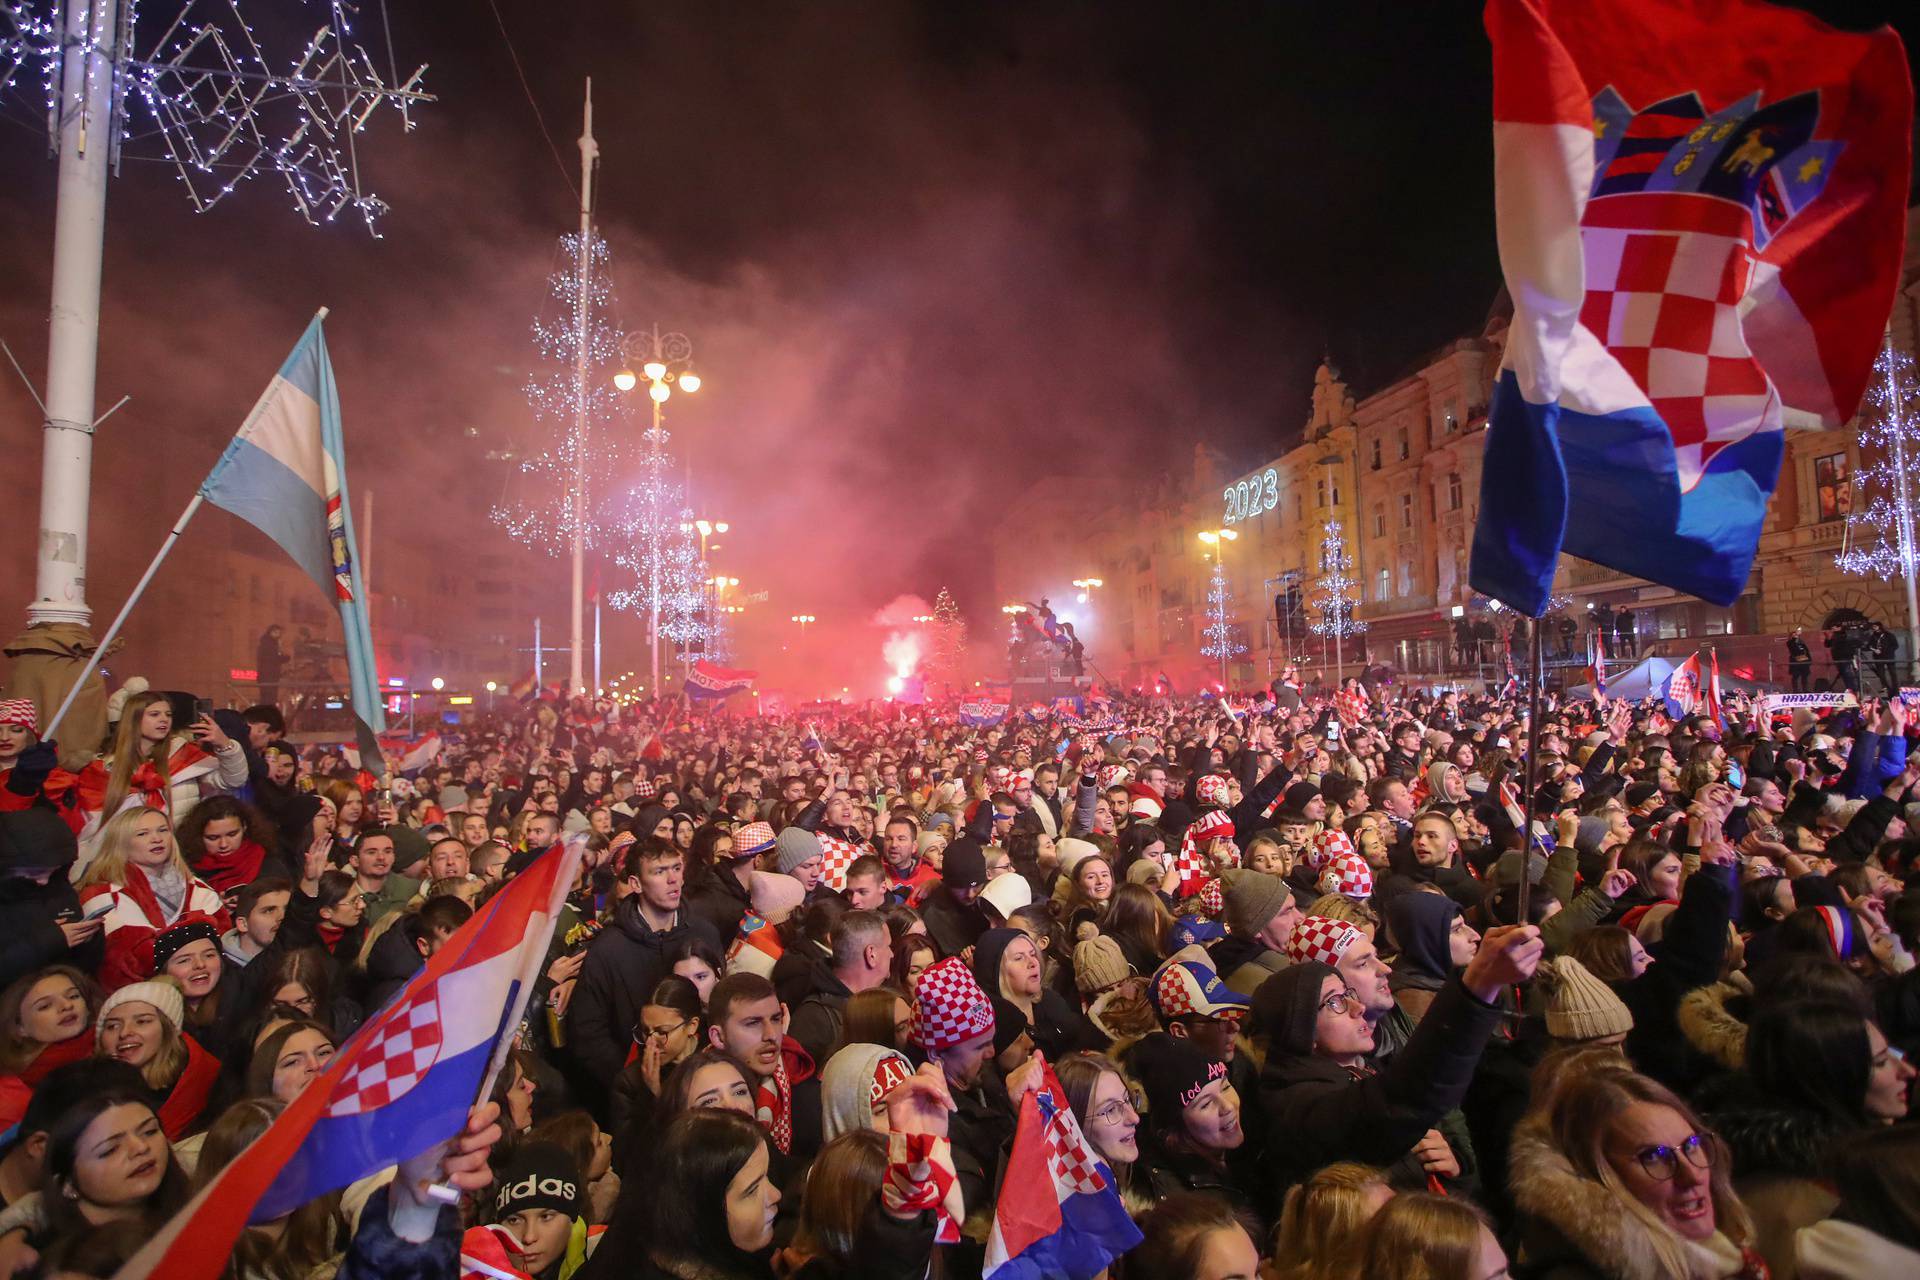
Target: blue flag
point(285, 473)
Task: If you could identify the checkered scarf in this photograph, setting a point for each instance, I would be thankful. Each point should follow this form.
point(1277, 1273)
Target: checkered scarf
point(920, 1176)
point(1191, 862)
point(1351, 705)
point(773, 1106)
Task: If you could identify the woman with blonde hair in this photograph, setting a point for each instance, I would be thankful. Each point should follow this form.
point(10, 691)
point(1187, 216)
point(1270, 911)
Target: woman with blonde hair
point(140, 885)
point(141, 1025)
point(1102, 1101)
point(1358, 913)
point(1323, 1223)
point(1617, 1177)
point(151, 765)
point(1427, 1237)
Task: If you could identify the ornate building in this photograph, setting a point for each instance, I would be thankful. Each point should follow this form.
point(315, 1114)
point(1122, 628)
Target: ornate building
point(1400, 469)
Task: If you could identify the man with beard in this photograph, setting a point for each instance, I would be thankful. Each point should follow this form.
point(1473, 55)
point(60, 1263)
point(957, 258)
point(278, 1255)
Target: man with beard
point(953, 919)
point(746, 1019)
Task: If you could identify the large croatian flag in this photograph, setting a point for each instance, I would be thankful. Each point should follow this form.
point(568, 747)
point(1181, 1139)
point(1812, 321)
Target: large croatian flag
point(706, 680)
point(402, 1084)
point(1701, 210)
point(285, 473)
point(1059, 1214)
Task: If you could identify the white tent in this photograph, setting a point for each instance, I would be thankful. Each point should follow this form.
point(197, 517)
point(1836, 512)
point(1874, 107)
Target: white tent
point(1642, 681)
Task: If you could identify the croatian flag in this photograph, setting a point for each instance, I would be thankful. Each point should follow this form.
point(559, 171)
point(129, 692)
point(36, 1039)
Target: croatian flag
point(1682, 689)
point(1700, 207)
point(1597, 663)
point(412, 754)
point(981, 715)
point(285, 473)
point(401, 1084)
point(706, 680)
point(1059, 1214)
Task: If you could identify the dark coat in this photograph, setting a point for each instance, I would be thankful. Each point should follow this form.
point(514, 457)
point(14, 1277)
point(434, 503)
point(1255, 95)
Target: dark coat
point(391, 960)
point(886, 1248)
point(1320, 1112)
point(1690, 953)
point(719, 899)
point(817, 1017)
point(623, 964)
point(952, 927)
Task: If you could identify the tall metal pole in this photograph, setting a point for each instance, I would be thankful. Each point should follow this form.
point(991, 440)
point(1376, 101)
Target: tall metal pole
point(657, 540)
point(597, 686)
point(83, 132)
point(1536, 668)
point(539, 679)
point(589, 153)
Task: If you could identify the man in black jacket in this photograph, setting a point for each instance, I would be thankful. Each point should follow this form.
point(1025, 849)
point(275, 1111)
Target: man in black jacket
point(862, 959)
point(723, 893)
point(630, 955)
point(40, 920)
point(953, 919)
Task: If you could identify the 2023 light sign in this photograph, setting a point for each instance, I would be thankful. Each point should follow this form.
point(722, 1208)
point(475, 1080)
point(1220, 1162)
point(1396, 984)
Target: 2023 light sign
point(1251, 496)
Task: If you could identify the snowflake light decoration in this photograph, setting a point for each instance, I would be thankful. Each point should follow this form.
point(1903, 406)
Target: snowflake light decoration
point(224, 109)
point(1879, 540)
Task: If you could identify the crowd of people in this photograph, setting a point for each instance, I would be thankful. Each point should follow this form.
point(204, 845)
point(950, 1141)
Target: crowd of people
point(1323, 995)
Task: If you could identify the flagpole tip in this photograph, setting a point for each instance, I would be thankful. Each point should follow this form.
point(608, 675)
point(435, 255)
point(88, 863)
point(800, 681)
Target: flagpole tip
point(321, 314)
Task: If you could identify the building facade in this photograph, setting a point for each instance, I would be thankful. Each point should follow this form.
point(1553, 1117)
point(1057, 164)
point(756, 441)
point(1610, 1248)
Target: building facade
point(1399, 469)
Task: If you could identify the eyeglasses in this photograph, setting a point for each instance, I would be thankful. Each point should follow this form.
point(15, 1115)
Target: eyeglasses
point(1117, 1112)
point(1341, 1003)
point(669, 1029)
point(1663, 1161)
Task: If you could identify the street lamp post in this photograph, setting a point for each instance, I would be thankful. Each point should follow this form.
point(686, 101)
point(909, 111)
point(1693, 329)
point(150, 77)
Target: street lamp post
point(665, 362)
point(1217, 539)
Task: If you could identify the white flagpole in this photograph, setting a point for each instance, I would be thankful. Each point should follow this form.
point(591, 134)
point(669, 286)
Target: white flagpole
point(139, 589)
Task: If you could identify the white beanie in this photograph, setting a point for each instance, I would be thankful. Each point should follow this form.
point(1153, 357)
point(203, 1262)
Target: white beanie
point(164, 996)
point(1071, 850)
point(1007, 894)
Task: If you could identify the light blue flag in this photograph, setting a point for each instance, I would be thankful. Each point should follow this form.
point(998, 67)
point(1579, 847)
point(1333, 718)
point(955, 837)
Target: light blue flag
point(285, 473)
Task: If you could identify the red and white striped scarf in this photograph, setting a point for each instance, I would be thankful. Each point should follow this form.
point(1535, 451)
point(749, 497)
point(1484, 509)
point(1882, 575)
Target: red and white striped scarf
point(773, 1106)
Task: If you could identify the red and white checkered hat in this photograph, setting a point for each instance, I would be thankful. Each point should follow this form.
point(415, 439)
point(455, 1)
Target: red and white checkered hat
point(753, 839)
point(979, 755)
point(949, 1008)
point(1329, 846)
point(1318, 938)
point(1210, 789)
point(22, 712)
point(1212, 899)
point(1113, 775)
point(1349, 876)
point(643, 788)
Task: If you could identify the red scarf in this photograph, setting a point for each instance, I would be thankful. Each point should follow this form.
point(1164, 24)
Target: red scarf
point(330, 935)
point(229, 871)
point(188, 1097)
point(773, 1105)
point(58, 1054)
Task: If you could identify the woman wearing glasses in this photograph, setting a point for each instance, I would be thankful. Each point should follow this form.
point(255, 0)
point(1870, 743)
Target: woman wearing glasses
point(1617, 1178)
point(1102, 1102)
point(1320, 1087)
point(666, 1035)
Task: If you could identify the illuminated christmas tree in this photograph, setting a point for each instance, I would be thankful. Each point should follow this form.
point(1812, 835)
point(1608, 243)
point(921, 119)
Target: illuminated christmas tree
point(1218, 639)
point(1879, 539)
point(947, 663)
point(1335, 600)
point(564, 482)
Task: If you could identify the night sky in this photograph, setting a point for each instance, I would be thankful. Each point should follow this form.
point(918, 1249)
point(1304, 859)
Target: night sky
point(928, 253)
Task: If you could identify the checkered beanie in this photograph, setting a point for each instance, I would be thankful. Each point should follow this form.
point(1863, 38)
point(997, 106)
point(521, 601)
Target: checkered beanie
point(643, 788)
point(1113, 775)
point(949, 1007)
point(22, 712)
point(1211, 789)
point(1349, 876)
point(1328, 846)
point(1320, 939)
point(1212, 899)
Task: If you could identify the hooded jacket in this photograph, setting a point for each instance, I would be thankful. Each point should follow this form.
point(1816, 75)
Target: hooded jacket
point(847, 1084)
point(1058, 1027)
point(1421, 923)
point(623, 963)
point(1328, 1112)
point(30, 936)
point(818, 1014)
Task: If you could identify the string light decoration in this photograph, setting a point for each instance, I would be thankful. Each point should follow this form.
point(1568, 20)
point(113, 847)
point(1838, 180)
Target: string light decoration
point(222, 111)
point(683, 591)
point(1217, 637)
point(948, 660)
point(1879, 536)
point(586, 449)
point(1335, 600)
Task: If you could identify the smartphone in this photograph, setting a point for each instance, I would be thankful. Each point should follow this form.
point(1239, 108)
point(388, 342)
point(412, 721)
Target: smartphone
point(1736, 776)
point(202, 707)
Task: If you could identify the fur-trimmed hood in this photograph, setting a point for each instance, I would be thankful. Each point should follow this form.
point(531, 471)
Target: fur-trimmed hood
point(1587, 1221)
point(1708, 1020)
